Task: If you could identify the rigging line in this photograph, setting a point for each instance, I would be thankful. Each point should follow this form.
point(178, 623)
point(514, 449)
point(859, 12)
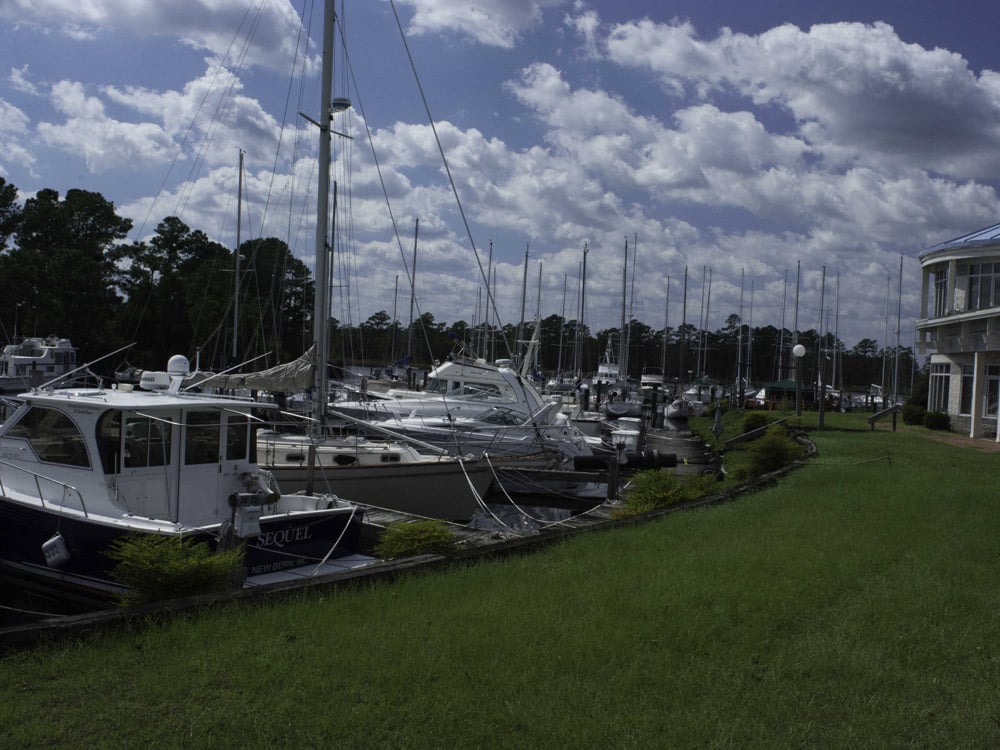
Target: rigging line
point(385, 192)
point(444, 159)
point(281, 130)
point(216, 122)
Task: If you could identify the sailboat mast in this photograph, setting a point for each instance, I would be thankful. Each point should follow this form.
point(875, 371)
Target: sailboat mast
point(666, 324)
point(621, 331)
point(562, 327)
point(321, 305)
point(239, 224)
point(583, 309)
point(683, 336)
point(413, 292)
point(524, 291)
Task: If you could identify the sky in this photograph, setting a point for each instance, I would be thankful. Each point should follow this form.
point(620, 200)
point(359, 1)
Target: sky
point(790, 158)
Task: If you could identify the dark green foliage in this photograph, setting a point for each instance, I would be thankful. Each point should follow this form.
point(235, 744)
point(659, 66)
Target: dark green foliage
point(156, 568)
point(937, 420)
point(650, 490)
point(754, 420)
point(416, 538)
point(913, 413)
point(772, 451)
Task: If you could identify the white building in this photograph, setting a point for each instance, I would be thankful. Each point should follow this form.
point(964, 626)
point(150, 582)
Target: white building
point(959, 327)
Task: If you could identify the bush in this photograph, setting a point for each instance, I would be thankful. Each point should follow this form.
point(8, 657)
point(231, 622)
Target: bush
point(754, 421)
point(417, 538)
point(913, 413)
point(155, 568)
point(772, 451)
point(937, 420)
point(650, 490)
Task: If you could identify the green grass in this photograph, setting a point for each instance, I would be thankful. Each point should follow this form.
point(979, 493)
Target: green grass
point(854, 605)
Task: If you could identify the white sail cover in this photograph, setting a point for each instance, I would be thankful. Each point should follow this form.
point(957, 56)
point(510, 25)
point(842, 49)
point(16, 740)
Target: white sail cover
point(291, 377)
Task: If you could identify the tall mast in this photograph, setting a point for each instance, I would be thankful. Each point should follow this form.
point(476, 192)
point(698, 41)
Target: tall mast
point(321, 308)
point(520, 324)
point(621, 331)
point(413, 292)
point(236, 292)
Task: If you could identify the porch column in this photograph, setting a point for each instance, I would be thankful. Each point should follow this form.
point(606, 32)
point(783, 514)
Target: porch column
point(978, 378)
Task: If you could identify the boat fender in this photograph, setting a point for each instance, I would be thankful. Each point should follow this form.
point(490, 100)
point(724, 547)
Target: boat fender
point(268, 489)
point(56, 552)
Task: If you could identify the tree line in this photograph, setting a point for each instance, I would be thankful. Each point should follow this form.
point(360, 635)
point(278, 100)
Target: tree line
point(66, 268)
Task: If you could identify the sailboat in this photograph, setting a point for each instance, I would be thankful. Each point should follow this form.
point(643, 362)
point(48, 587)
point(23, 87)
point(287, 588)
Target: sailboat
point(393, 475)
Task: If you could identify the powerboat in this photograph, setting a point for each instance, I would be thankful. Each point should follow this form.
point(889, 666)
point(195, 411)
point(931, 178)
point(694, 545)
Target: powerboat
point(82, 467)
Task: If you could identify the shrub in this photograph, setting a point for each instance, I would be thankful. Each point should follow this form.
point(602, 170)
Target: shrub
point(404, 539)
point(650, 490)
point(913, 413)
point(772, 451)
point(155, 568)
point(937, 420)
point(754, 421)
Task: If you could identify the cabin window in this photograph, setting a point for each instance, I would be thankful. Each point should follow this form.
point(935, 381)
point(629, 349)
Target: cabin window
point(53, 436)
point(237, 440)
point(147, 442)
point(109, 439)
point(435, 386)
point(201, 438)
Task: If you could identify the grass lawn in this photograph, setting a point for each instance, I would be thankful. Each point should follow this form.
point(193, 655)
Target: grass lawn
point(854, 605)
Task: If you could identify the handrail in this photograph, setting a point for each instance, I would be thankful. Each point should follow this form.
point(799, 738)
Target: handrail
point(66, 488)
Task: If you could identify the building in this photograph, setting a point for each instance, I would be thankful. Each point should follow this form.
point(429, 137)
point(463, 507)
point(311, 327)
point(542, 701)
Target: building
point(959, 327)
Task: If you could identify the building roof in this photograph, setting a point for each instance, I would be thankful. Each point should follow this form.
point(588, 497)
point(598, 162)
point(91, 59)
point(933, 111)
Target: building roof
point(988, 236)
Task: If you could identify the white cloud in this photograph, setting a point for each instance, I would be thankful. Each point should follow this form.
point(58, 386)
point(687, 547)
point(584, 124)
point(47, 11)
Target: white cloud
point(14, 134)
point(218, 26)
point(497, 23)
point(19, 80)
point(857, 93)
point(103, 142)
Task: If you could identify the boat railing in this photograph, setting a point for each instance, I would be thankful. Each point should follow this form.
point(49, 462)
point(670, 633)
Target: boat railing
point(63, 497)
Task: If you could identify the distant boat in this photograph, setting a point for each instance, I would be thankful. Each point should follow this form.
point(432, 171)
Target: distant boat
point(461, 386)
point(33, 361)
point(608, 371)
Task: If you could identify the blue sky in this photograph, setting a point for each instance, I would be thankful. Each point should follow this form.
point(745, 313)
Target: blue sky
point(739, 140)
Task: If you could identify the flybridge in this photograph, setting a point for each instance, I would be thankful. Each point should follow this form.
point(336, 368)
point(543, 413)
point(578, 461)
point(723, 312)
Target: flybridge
point(33, 361)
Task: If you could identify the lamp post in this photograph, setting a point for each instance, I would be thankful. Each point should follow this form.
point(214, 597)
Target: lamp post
point(17, 307)
point(798, 351)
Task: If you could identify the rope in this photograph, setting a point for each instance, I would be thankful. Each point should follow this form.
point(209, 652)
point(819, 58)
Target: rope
point(545, 524)
point(31, 612)
point(482, 503)
point(343, 531)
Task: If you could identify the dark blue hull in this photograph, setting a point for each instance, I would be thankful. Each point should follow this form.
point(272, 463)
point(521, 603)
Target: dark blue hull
point(284, 542)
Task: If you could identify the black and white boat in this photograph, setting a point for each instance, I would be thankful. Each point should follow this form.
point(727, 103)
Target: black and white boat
point(82, 467)
point(35, 360)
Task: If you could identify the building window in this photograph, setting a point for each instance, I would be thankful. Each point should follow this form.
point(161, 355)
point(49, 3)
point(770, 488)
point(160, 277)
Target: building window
point(968, 376)
point(941, 305)
point(940, 379)
point(984, 286)
point(992, 396)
